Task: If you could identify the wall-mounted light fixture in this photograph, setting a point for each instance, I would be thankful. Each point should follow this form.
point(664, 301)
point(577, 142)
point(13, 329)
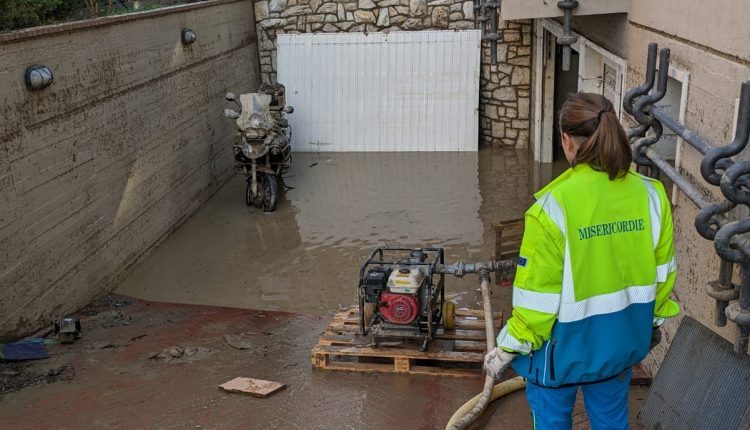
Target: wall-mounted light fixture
point(38, 77)
point(188, 36)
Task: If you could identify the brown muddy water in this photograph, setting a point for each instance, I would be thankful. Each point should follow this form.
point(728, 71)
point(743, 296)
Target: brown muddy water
point(305, 257)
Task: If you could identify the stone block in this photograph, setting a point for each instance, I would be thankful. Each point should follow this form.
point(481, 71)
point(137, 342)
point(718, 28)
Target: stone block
point(520, 124)
point(455, 16)
point(498, 129)
point(520, 76)
point(331, 18)
point(340, 12)
point(301, 9)
point(468, 9)
point(511, 133)
point(383, 17)
point(521, 61)
point(329, 28)
point(523, 107)
point(328, 8)
point(504, 93)
point(261, 11)
point(277, 5)
point(397, 19)
point(364, 17)
point(439, 2)
point(270, 23)
point(388, 3)
point(350, 7)
point(523, 50)
point(412, 24)
point(401, 10)
point(511, 36)
point(345, 26)
point(523, 93)
point(458, 7)
point(417, 7)
point(349, 16)
point(511, 113)
point(315, 4)
point(523, 139)
point(311, 19)
point(316, 26)
point(461, 25)
point(367, 4)
point(440, 17)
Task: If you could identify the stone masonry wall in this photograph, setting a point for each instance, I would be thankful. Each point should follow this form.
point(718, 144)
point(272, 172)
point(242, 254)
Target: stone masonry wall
point(124, 145)
point(504, 88)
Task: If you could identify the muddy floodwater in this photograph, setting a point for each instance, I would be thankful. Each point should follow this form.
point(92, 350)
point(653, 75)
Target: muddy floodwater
point(306, 255)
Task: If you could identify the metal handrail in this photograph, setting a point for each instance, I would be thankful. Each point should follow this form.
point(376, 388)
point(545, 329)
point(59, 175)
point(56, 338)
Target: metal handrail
point(716, 221)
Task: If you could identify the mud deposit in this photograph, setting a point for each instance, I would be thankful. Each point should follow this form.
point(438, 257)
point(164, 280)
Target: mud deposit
point(306, 255)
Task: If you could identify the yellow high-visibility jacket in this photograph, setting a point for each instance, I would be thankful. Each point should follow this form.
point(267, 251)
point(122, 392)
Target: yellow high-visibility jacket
point(595, 273)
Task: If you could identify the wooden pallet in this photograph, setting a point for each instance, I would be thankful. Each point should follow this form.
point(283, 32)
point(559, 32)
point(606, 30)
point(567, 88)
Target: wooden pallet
point(508, 235)
point(452, 353)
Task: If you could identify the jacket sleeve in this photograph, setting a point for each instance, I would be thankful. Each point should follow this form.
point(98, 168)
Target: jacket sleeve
point(666, 267)
point(537, 285)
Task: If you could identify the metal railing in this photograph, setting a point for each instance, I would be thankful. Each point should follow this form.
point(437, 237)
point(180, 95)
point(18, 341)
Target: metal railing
point(717, 221)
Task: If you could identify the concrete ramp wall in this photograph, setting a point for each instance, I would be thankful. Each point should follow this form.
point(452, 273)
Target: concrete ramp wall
point(125, 144)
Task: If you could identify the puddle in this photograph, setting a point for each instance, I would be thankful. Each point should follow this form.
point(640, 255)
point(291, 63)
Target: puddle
point(306, 256)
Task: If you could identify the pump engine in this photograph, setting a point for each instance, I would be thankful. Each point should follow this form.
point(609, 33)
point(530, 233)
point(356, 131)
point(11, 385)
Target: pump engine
point(404, 296)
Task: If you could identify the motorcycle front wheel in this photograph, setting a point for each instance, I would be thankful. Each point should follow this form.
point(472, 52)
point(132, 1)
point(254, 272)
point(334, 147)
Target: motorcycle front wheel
point(268, 190)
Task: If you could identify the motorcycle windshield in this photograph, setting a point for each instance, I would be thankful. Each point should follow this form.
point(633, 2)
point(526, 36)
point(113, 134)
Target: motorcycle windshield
point(252, 103)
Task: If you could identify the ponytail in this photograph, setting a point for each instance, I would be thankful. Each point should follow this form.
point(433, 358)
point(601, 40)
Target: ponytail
point(606, 147)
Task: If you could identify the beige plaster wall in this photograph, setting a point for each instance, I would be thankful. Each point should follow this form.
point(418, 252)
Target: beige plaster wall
point(127, 142)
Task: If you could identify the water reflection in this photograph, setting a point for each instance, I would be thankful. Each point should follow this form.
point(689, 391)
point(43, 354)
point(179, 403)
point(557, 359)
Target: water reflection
point(364, 199)
point(306, 255)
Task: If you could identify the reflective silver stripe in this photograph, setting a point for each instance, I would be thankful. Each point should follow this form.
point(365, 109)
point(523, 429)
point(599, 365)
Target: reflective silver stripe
point(663, 270)
point(541, 302)
point(506, 340)
point(552, 208)
point(654, 210)
point(606, 303)
point(554, 211)
point(658, 321)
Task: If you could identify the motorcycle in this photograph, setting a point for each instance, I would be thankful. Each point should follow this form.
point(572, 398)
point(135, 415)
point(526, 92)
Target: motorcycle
point(262, 149)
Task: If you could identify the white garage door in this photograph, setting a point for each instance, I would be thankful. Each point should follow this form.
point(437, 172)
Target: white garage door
point(403, 91)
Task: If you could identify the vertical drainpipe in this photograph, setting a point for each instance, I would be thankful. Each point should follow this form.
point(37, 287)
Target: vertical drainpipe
point(567, 39)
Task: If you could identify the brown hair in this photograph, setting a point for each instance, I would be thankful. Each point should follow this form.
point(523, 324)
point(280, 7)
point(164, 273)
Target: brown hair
point(606, 148)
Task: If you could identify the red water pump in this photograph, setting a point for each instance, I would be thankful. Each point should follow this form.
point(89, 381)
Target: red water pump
point(404, 296)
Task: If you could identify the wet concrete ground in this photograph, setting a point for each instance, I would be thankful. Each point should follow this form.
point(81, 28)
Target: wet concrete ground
point(112, 383)
point(306, 255)
point(302, 260)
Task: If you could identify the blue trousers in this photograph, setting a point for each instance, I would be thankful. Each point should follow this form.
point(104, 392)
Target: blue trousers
point(606, 404)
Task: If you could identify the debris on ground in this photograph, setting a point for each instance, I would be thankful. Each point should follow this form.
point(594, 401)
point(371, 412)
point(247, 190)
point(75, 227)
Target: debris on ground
point(176, 354)
point(254, 387)
point(238, 341)
point(19, 375)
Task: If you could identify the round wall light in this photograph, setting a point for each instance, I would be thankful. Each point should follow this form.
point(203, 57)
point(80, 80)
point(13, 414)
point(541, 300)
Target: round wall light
point(188, 36)
point(38, 77)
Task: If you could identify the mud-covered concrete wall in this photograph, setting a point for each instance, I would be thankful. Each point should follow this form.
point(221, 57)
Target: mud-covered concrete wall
point(124, 145)
point(708, 41)
point(504, 88)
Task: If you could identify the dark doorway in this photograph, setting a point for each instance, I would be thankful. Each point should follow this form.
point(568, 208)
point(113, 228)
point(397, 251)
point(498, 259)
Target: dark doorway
point(565, 83)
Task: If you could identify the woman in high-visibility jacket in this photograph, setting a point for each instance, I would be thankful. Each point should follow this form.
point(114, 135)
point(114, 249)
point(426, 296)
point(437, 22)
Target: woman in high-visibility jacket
point(594, 276)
